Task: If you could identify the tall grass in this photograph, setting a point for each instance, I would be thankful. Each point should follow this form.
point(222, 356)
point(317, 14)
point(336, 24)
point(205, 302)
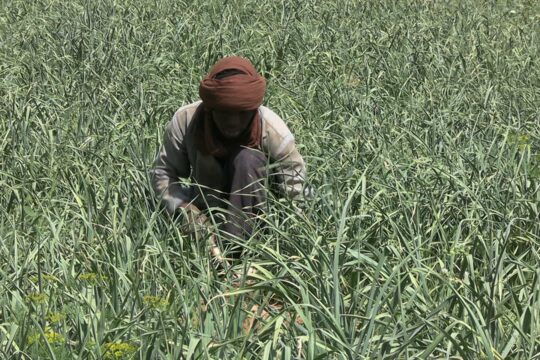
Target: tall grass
point(419, 122)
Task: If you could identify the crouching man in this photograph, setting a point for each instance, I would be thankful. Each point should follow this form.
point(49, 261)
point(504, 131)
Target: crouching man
point(226, 144)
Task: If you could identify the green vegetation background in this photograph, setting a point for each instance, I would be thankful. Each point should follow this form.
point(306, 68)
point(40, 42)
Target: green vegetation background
point(419, 121)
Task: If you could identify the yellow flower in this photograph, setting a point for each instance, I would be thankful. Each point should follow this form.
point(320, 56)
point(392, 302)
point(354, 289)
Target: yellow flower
point(44, 278)
point(92, 278)
point(37, 298)
point(48, 277)
point(119, 350)
point(33, 339)
point(523, 141)
point(56, 317)
point(155, 302)
point(52, 337)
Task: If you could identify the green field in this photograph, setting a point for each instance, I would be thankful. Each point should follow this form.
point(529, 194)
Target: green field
point(420, 125)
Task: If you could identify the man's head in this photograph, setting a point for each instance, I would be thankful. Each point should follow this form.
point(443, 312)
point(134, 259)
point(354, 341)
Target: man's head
point(231, 124)
point(232, 91)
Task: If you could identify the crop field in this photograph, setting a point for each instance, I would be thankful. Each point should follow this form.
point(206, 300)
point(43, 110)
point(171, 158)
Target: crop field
point(419, 122)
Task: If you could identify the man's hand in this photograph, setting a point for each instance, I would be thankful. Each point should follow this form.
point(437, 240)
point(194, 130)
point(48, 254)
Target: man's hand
point(194, 218)
point(197, 223)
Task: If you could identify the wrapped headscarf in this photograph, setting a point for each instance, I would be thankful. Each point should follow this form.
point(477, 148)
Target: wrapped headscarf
point(242, 91)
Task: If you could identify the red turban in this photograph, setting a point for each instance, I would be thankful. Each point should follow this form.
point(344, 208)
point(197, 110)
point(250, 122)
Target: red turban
point(240, 92)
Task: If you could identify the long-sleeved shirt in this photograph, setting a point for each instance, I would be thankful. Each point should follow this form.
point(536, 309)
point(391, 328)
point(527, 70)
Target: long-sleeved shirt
point(179, 159)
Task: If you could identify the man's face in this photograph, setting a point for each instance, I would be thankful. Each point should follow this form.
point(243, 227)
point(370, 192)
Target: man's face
point(232, 123)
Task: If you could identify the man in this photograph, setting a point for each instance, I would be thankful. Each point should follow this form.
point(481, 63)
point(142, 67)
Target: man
point(225, 143)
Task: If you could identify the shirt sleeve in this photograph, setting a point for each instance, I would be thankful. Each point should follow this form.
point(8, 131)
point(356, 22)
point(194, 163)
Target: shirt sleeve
point(291, 170)
point(172, 164)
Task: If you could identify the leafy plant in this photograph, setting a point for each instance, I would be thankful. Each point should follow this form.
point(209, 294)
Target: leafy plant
point(418, 122)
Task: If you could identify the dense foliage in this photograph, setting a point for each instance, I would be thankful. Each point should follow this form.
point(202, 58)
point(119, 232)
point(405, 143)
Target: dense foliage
point(419, 121)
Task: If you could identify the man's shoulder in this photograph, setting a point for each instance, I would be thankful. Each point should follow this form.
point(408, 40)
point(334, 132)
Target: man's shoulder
point(276, 134)
point(273, 123)
point(184, 114)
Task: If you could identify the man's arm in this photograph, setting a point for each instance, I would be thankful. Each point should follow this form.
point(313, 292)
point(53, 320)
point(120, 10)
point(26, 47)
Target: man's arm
point(171, 164)
point(287, 164)
point(291, 170)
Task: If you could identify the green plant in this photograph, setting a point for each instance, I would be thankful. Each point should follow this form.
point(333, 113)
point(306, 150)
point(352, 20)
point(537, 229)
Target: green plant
point(419, 124)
